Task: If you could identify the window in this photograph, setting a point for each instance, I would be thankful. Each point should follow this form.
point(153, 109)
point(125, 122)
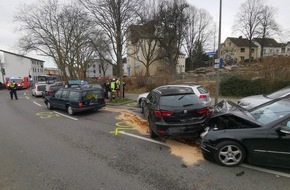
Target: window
point(253, 50)
point(243, 49)
point(242, 58)
point(74, 96)
point(58, 93)
point(64, 94)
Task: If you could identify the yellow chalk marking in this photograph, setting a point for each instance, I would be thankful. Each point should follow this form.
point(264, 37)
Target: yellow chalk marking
point(121, 126)
point(45, 115)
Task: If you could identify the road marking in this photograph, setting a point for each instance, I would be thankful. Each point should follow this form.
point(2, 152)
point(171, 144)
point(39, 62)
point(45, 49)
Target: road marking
point(45, 115)
point(66, 116)
point(143, 138)
point(27, 97)
point(266, 170)
point(37, 103)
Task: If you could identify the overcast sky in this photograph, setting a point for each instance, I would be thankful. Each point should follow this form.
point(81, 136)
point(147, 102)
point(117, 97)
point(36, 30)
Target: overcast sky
point(8, 35)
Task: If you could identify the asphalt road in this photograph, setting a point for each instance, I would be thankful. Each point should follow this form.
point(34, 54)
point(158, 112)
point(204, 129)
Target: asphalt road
point(41, 149)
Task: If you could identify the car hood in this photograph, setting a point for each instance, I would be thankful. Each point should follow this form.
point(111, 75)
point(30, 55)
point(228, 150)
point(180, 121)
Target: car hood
point(253, 101)
point(226, 107)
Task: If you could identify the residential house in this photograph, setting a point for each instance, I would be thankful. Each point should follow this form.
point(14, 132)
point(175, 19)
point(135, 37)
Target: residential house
point(17, 65)
point(238, 47)
point(270, 47)
point(135, 55)
point(287, 49)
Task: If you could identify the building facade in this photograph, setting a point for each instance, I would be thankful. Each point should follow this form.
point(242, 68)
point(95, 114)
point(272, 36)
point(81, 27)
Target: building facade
point(99, 68)
point(240, 48)
point(16, 65)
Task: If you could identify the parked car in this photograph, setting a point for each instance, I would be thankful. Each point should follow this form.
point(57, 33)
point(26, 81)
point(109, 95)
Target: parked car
point(199, 90)
point(51, 89)
point(76, 100)
point(175, 111)
point(37, 89)
point(260, 136)
point(253, 101)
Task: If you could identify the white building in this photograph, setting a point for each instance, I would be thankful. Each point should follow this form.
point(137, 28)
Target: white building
point(96, 69)
point(16, 65)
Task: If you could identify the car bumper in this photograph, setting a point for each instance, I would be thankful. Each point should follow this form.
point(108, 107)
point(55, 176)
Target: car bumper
point(183, 131)
point(207, 150)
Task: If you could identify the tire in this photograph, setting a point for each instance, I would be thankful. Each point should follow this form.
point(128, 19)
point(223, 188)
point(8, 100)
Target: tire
point(70, 110)
point(153, 135)
point(229, 153)
point(48, 105)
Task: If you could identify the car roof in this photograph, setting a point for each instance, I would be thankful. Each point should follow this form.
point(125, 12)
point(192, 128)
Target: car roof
point(173, 90)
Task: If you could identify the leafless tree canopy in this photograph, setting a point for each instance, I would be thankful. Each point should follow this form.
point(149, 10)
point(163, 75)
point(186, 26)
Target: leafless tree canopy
point(255, 19)
point(59, 31)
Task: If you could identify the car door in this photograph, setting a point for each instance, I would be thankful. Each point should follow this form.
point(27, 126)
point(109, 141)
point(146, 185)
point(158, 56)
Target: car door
point(55, 100)
point(278, 144)
point(63, 100)
point(147, 104)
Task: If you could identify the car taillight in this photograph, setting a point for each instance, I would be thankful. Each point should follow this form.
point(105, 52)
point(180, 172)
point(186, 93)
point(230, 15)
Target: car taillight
point(162, 113)
point(203, 111)
point(80, 104)
point(202, 97)
point(50, 91)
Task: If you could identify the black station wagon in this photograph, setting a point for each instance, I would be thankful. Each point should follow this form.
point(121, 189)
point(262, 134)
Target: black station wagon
point(175, 112)
point(76, 100)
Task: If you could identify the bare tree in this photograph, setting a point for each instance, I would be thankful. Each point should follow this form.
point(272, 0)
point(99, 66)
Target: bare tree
point(248, 21)
point(58, 31)
point(172, 21)
point(143, 38)
point(268, 25)
point(114, 17)
point(199, 31)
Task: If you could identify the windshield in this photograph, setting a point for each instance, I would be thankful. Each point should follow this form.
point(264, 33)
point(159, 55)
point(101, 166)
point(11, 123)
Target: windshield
point(16, 80)
point(279, 93)
point(271, 112)
point(93, 94)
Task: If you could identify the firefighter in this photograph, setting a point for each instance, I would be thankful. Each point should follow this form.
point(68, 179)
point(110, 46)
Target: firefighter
point(118, 87)
point(13, 90)
point(113, 89)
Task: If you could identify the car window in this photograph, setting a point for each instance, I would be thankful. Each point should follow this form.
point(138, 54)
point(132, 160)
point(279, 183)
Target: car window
point(202, 90)
point(41, 87)
point(64, 94)
point(153, 98)
point(286, 123)
point(58, 93)
point(271, 112)
point(74, 96)
point(90, 95)
point(179, 100)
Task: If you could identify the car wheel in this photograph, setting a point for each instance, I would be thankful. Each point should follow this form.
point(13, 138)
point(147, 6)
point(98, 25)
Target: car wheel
point(229, 153)
point(153, 135)
point(141, 101)
point(70, 110)
point(48, 105)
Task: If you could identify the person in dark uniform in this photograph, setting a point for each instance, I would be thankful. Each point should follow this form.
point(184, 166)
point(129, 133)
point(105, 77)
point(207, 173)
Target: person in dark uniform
point(13, 90)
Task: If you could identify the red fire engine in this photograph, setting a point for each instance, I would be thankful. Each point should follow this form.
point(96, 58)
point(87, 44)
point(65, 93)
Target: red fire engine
point(22, 82)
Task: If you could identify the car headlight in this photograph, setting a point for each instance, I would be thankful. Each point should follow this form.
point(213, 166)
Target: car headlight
point(204, 133)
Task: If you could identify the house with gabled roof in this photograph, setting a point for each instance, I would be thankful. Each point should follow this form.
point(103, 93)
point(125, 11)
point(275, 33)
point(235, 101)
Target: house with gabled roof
point(270, 47)
point(238, 47)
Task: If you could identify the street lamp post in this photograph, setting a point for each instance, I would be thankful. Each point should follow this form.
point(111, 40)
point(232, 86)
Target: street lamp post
point(219, 54)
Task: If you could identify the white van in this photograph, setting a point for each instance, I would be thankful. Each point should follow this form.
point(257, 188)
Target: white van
point(37, 89)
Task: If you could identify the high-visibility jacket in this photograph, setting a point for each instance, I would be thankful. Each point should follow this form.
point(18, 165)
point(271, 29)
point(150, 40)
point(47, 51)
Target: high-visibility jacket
point(113, 85)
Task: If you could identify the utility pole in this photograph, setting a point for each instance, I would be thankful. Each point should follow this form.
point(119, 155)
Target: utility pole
point(2, 71)
point(219, 55)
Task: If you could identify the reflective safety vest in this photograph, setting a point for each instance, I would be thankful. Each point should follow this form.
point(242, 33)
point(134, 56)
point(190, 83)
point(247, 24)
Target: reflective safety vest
point(113, 85)
point(13, 85)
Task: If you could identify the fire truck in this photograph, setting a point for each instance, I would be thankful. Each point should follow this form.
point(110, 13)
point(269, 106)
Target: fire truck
point(22, 82)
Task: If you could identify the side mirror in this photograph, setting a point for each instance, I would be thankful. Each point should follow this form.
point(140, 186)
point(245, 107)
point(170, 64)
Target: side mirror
point(285, 130)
